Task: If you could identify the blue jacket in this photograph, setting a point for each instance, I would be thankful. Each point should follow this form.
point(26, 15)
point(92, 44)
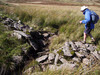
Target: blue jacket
point(87, 20)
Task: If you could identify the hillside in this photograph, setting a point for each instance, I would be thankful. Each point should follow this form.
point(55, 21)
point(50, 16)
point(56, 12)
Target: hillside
point(45, 39)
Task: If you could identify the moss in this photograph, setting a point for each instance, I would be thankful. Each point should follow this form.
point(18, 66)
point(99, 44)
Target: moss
point(60, 52)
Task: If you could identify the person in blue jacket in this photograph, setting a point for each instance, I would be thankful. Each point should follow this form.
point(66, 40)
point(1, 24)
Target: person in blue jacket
point(88, 23)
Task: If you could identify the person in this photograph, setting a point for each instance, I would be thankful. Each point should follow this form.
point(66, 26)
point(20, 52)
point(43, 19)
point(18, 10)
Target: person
point(88, 23)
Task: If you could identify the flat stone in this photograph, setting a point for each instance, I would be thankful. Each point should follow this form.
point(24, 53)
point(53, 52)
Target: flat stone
point(91, 48)
point(42, 58)
point(74, 47)
point(95, 53)
point(66, 51)
point(61, 58)
point(56, 59)
point(67, 66)
point(51, 56)
point(76, 59)
point(79, 54)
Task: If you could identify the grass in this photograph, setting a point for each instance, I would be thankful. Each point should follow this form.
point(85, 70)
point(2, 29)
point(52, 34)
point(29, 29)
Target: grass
point(61, 19)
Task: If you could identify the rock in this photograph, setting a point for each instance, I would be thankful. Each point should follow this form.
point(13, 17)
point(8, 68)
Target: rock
point(67, 66)
point(17, 35)
point(74, 47)
point(21, 33)
point(52, 67)
point(42, 58)
point(51, 57)
point(56, 59)
point(91, 48)
point(79, 54)
point(17, 59)
point(76, 59)
point(96, 54)
point(66, 49)
point(86, 61)
point(46, 35)
point(28, 71)
point(61, 58)
point(80, 45)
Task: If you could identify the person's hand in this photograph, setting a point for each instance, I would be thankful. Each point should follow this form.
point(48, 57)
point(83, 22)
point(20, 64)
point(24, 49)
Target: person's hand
point(80, 22)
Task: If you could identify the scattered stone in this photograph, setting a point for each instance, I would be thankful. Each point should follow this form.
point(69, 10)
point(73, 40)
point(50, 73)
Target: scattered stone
point(42, 58)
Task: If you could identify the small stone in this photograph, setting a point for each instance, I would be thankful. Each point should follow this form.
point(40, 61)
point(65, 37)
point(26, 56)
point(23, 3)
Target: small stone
point(42, 58)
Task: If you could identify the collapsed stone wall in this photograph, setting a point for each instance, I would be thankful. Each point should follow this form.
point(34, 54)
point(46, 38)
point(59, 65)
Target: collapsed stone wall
point(69, 56)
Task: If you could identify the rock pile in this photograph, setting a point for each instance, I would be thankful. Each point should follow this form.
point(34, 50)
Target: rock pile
point(70, 56)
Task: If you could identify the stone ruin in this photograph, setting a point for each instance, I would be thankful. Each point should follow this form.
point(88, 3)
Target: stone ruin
point(69, 56)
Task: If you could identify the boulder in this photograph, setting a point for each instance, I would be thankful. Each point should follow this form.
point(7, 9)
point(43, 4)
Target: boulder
point(42, 58)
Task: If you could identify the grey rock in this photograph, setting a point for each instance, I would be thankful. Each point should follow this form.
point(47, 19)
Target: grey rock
point(21, 33)
point(17, 59)
point(61, 58)
point(91, 48)
point(52, 67)
point(76, 59)
point(17, 35)
point(66, 49)
point(74, 47)
point(51, 56)
point(79, 54)
point(56, 59)
point(46, 35)
point(96, 54)
point(42, 58)
point(67, 66)
point(80, 45)
point(86, 61)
